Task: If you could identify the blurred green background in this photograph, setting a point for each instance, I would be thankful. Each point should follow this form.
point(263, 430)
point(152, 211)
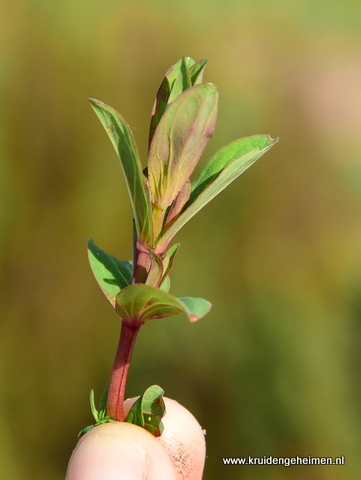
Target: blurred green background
point(274, 369)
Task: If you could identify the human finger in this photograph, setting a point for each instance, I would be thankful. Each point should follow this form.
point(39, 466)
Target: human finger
point(182, 438)
point(119, 450)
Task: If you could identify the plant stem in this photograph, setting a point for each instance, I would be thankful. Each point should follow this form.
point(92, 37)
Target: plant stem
point(142, 263)
point(119, 374)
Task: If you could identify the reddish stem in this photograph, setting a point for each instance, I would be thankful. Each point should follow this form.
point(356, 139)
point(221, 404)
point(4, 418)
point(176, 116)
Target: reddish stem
point(119, 374)
point(142, 263)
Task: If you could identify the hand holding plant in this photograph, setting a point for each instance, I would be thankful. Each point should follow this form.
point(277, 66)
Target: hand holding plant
point(163, 199)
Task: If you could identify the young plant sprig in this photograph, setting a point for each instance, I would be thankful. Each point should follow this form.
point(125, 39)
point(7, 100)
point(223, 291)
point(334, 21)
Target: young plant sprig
point(163, 199)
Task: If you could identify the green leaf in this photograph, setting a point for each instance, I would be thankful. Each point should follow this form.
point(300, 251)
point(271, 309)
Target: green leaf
point(182, 81)
point(168, 258)
point(230, 161)
point(111, 274)
point(179, 140)
point(148, 411)
point(195, 308)
point(90, 427)
point(165, 285)
point(171, 87)
point(100, 416)
point(141, 302)
point(93, 407)
point(102, 412)
point(225, 166)
point(196, 71)
point(86, 430)
point(156, 270)
point(122, 139)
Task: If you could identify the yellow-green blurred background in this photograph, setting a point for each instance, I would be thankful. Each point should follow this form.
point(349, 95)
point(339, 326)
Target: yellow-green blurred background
point(274, 369)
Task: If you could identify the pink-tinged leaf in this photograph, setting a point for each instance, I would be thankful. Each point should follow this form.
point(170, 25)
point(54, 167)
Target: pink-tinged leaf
point(181, 199)
point(141, 302)
point(178, 142)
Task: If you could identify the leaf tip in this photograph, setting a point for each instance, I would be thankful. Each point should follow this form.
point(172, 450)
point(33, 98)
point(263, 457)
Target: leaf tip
point(274, 140)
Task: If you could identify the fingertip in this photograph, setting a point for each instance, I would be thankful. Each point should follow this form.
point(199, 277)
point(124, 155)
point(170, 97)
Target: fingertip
point(101, 453)
point(119, 450)
point(182, 439)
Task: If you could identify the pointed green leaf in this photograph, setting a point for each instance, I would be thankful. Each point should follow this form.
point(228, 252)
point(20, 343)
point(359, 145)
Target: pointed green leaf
point(197, 71)
point(102, 412)
point(180, 138)
point(231, 160)
point(170, 88)
point(225, 166)
point(141, 302)
point(92, 406)
point(182, 81)
point(99, 415)
point(167, 92)
point(111, 274)
point(148, 411)
point(122, 139)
